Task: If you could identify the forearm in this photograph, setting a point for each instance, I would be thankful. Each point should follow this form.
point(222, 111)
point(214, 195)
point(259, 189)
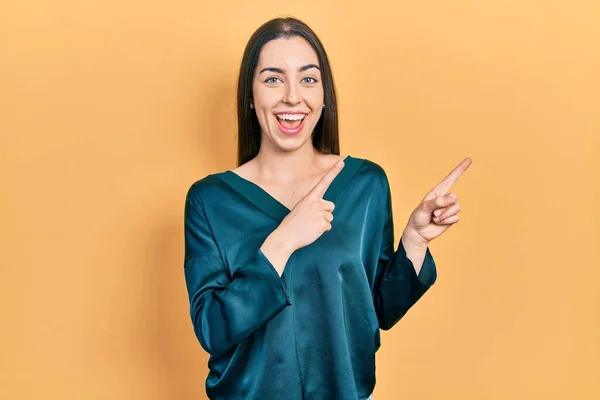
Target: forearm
point(400, 285)
point(276, 249)
point(415, 248)
point(223, 314)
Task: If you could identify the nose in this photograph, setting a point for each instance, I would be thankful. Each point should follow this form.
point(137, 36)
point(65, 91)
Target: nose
point(291, 95)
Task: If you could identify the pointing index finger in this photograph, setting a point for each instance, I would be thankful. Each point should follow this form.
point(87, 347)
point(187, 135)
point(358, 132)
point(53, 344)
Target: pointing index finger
point(444, 186)
point(321, 187)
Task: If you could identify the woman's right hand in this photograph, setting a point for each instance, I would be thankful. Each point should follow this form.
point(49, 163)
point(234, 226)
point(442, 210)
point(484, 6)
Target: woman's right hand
point(305, 223)
point(312, 216)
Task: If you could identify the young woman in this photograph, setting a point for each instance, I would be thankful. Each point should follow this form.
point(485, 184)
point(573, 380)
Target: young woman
point(288, 300)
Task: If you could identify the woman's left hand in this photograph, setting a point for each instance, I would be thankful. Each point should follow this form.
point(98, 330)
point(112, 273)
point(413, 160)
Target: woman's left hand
point(437, 212)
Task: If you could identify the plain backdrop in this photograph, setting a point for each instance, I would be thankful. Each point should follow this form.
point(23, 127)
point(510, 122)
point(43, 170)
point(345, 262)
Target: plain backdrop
point(110, 110)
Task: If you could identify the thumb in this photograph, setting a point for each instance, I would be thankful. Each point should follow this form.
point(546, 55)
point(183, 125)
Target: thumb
point(439, 202)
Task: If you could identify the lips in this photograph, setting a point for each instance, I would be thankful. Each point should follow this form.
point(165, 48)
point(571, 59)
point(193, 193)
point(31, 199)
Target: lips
point(291, 123)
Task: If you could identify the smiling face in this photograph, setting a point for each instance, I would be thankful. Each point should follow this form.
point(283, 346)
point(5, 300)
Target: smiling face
point(287, 93)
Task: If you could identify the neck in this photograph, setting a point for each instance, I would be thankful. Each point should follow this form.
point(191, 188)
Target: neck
point(277, 166)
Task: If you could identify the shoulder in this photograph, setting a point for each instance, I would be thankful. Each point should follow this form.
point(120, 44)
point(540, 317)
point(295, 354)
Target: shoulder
point(374, 168)
point(205, 188)
point(372, 182)
point(372, 171)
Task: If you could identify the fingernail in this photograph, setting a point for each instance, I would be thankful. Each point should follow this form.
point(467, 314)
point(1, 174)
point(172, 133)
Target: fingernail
point(437, 213)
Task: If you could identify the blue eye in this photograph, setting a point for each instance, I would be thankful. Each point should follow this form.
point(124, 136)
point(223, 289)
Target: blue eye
point(311, 80)
point(272, 79)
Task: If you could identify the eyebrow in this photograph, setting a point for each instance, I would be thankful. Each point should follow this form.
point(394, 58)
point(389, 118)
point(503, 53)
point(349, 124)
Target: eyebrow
point(281, 71)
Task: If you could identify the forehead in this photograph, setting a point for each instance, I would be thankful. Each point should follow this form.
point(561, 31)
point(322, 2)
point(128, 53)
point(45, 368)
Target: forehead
point(287, 53)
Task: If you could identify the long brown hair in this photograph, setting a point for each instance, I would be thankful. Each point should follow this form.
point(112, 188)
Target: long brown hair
point(325, 135)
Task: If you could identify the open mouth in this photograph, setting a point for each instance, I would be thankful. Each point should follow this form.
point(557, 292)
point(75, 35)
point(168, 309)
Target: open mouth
point(290, 124)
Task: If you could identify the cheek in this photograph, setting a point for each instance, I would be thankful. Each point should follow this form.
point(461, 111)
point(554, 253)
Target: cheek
point(266, 97)
point(314, 98)
point(318, 113)
point(264, 119)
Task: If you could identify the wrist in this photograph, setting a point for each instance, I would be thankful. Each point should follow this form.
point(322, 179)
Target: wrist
point(276, 251)
point(280, 240)
point(410, 238)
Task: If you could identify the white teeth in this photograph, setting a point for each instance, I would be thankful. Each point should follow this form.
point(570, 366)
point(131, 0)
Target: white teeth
point(291, 117)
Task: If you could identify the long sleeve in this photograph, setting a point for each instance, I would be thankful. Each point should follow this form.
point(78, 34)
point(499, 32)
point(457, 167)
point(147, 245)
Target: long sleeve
point(397, 285)
point(225, 307)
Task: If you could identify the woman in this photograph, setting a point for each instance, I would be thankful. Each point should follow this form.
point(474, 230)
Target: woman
point(287, 300)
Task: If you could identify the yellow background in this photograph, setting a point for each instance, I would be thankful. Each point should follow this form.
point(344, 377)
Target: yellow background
point(110, 110)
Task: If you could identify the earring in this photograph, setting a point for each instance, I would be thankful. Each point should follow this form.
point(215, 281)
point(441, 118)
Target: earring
point(323, 105)
point(251, 105)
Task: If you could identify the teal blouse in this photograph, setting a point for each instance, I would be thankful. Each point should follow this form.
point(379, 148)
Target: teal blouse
point(313, 332)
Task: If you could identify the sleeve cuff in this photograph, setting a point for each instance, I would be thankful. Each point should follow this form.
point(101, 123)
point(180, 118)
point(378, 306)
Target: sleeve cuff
point(428, 273)
point(269, 265)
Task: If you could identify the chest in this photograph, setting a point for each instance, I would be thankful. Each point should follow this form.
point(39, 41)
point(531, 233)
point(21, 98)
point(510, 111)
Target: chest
point(289, 194)
point(347, 252)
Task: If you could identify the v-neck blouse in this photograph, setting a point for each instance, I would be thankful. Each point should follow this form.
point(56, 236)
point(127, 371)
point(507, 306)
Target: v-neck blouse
point(313, 332)
point(273, 207)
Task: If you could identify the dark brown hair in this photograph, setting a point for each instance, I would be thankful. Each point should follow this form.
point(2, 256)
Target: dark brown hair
point(325, 135)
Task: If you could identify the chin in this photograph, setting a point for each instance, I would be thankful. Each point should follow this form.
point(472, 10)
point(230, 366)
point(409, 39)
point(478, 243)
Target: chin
point(290, 142)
